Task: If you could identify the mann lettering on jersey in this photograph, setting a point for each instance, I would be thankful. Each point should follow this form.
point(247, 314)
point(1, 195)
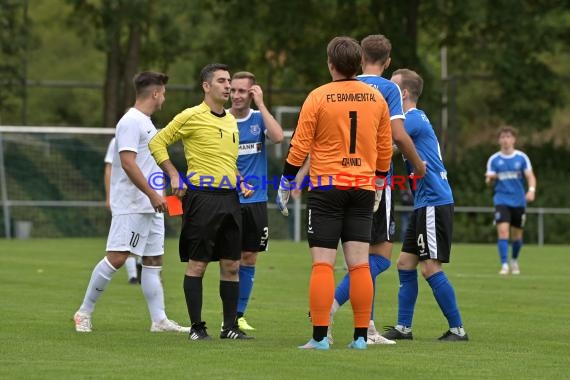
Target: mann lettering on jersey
point(252, 155)
point(252, 148)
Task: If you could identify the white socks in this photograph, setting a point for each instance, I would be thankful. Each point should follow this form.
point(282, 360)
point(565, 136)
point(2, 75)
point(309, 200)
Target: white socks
point(458, 330)
point(100, 278)
point(403, 329)
point(153, 292)
point(131, 267)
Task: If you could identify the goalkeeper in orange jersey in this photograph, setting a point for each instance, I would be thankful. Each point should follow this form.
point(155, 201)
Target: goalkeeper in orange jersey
point(345, 127)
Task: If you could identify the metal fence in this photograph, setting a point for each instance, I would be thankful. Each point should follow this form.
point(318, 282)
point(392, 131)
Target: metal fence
point(53, 176)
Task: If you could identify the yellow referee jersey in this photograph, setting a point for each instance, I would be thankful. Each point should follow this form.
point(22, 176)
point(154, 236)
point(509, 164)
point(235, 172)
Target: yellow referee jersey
point(210, 146)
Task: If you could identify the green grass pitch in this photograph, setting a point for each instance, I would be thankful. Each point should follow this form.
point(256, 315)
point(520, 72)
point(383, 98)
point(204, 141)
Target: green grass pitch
point(518, 325)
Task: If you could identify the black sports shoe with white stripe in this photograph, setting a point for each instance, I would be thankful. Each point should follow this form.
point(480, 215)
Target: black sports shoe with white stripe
point(234, 333)
point(198, 332)
point(392, 333)
point(450, 336)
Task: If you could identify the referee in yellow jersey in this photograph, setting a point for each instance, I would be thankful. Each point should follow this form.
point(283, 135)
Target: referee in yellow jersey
point(211, 224)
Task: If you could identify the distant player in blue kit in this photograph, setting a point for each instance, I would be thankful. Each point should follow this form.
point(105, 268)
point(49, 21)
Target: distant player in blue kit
point(376, 50)
point(254, 126)
point(506, 171)
point(428, 238)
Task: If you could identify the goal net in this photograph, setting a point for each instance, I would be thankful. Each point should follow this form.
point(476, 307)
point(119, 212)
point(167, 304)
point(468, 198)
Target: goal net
point(51, 180)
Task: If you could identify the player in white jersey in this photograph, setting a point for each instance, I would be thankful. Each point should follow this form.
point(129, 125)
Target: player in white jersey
point(137, 225)
point(254, 126)
point(131, 265)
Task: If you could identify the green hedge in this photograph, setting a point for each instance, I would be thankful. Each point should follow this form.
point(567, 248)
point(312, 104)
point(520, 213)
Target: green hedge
point(30, 178)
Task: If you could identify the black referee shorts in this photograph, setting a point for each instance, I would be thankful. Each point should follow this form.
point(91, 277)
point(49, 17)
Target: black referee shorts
point(211, 225)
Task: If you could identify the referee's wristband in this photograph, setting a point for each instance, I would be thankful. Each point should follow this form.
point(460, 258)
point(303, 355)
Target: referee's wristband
point(532, 189)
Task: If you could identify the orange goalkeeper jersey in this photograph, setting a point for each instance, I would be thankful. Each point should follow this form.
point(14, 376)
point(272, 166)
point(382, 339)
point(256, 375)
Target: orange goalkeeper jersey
point(345, 127)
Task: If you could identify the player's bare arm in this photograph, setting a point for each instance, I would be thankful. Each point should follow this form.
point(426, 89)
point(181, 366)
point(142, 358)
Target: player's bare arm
point(107, 179)
point(178, 187)
point(299, 179)
point(274, 130)
point(244, 188)
point(406, 146)
point(490, 179)
point(129, 165)
point(531, 181)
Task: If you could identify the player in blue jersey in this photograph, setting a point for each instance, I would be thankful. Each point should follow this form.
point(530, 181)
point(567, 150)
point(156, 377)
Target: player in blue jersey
point(254, 126)
point(506, 171)
point(376, 58)
point(428, 238)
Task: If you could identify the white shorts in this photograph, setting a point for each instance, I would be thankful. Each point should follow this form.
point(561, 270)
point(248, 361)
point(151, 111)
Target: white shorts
point(140, 234)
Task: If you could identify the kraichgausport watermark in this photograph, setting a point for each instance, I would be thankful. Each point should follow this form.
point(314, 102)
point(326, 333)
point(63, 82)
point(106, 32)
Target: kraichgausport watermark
point(341, 181)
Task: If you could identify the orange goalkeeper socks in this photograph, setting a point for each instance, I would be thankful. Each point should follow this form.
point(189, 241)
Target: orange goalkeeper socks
point(361, 293)
point(321, 293)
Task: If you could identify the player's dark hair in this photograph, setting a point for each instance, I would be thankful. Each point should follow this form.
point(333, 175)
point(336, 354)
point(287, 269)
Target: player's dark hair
point(207, 73)
point(147, 79)
point(376, 48)
point(412, 82)
point(508, 129)
point(345, 54)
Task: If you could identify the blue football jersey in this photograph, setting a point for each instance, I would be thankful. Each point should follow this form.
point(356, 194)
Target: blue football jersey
point(393, 96)
point(510, 183)
point(252, 157)
point(433, 189)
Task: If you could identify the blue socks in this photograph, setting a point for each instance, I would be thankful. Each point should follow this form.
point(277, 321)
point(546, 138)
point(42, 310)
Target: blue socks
point(516, 247)
point(378, 264)
point(246, 275)
point(445, 297)
point(503, 246)
point(407, 296)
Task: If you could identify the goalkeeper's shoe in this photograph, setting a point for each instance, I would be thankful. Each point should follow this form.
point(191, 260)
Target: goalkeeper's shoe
point(397, 333)
point(168, 325)
point(358, 344)
point(234, 333)
point(198, 332)
point(454, 335)
point(329, 334)
point(82, 322)
point(315, 345)
point(243, 325)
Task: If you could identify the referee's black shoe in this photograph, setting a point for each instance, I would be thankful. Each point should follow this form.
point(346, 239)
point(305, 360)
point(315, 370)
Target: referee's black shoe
point(198, 332)
point(234, 333)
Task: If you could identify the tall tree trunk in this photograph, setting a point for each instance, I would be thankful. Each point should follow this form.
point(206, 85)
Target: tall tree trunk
point(112, 92)
point(131, 64)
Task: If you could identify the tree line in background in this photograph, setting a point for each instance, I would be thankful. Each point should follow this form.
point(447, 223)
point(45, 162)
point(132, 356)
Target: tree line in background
point(507, 60)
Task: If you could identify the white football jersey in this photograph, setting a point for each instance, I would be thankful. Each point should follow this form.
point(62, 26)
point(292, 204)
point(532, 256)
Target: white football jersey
point(134, 131)
point(110, 149)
